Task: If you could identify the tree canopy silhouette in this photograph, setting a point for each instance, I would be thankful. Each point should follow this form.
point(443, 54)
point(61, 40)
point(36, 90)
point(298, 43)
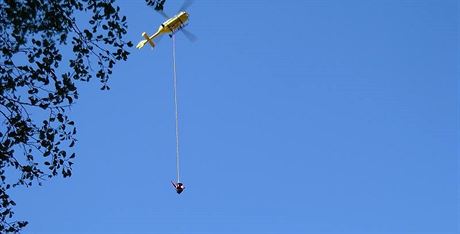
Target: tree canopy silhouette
point(47, 47)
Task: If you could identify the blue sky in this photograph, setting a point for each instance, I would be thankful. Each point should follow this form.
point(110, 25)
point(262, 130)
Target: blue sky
point(304, 116)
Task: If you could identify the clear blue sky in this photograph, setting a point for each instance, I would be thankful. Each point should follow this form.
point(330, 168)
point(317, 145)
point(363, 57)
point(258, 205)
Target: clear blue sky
point(300, 116)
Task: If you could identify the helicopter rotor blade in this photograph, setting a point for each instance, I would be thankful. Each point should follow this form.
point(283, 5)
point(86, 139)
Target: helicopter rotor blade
point(162, 13)
point(186, 4)
point(190, 36)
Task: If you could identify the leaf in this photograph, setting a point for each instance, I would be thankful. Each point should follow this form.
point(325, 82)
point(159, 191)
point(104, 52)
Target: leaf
point(60, 117)
point(88, 34)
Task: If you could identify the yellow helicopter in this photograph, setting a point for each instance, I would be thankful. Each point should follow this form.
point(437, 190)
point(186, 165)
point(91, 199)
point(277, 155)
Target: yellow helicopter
point(170, 26)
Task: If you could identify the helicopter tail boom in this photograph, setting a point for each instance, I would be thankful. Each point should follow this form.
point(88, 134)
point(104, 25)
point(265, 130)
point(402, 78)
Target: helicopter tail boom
point(149, 40)
point(143, 42)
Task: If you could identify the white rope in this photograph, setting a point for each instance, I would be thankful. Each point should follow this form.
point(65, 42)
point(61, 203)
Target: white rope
point(175, 108)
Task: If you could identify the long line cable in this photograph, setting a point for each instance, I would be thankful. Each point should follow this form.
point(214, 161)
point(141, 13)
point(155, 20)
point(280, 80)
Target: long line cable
point(175, 107)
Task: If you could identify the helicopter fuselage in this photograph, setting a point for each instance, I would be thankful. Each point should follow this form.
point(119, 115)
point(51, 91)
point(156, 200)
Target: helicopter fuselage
point(170, 26)
point(173, 24)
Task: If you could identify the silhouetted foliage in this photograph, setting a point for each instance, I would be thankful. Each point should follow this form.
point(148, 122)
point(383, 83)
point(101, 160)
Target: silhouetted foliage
point(46, 47)
point(157, 4)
